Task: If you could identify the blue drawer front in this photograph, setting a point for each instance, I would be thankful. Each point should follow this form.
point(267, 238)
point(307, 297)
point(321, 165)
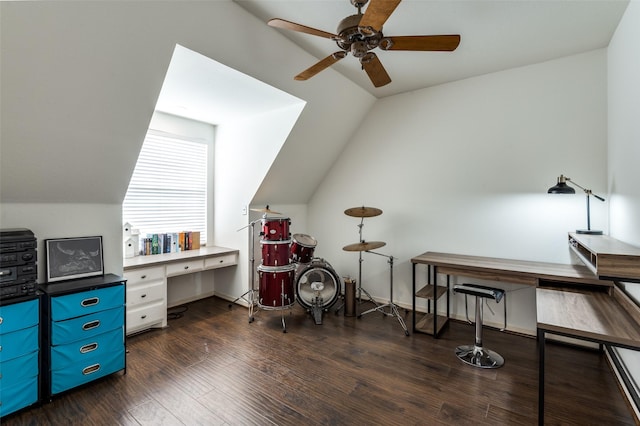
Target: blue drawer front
point(13, 398)
point(16, 370)
point(18, 343)
point(18, 316)
point(86, 326)
point(86, 302)
point(91, 369)
point(78, 352)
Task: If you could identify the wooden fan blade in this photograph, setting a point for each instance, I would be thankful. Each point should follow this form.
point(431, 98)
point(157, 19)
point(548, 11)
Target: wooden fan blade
point(377, 74)
point(443, 43)
point(286, 25)
point(323, 64)
point(377, 13)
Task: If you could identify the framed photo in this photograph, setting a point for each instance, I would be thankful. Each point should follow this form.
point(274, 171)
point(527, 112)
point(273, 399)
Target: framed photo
point(70, 258)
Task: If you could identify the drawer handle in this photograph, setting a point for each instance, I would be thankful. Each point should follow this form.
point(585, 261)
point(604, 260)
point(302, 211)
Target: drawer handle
point(186, 267)
point(1, 320)
point(0, 348)
point(143, 317)
point(142, 296)
point(91, 324)
point(221, 261)
point(143, 277)
point(90, 369)
point(88, 348)
point(90, 302)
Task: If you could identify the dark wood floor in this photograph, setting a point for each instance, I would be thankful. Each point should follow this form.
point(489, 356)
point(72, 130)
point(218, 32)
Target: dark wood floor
point(211, 367)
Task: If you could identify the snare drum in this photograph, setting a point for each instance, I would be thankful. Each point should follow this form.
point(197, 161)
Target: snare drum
point(275, 228)
point(302, 248)
point(276, 287)
point(275, 253)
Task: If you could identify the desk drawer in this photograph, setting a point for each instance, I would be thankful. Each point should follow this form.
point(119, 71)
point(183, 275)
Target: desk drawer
point(146, 315)
point(90, 369)
point(144, 275)
point(86, 326)
point(86, 302)
point(23, 394)
point(78, 352)
point(18, 316)
point(18, 369)
point(220, 261)
point(145, 293)
point(18, 343)
point(184, 267)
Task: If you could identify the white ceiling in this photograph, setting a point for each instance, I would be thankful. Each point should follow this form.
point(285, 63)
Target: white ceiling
point(495, 35)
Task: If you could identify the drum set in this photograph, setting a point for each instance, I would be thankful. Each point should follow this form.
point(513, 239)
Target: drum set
point(289, 271)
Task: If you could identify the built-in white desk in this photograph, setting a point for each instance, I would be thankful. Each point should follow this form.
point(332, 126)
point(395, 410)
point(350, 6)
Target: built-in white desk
point(147, 281)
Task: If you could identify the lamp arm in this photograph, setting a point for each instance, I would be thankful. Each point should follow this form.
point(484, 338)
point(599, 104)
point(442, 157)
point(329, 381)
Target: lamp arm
point(587, 191)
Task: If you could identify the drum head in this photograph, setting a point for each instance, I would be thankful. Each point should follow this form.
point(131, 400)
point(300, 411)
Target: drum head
point(304, 240)
point(319, 275)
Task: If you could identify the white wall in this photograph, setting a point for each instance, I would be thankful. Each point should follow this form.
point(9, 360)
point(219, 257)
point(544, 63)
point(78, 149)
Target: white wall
point(52, 220)
point(464, 168)
point(624, 144)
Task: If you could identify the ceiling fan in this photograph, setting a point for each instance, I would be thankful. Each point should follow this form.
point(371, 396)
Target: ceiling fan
point(361, 33)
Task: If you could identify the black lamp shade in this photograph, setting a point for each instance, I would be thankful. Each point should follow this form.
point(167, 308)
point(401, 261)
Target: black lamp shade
point(561, 188)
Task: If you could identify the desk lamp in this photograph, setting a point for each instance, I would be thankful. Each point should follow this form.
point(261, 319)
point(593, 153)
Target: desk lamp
point(562, 188)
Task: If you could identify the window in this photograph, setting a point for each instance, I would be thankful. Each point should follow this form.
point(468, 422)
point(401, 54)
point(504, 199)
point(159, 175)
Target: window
point(168, 190)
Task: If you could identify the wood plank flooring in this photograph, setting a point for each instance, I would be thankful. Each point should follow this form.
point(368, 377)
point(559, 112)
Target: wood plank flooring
point(212, 367)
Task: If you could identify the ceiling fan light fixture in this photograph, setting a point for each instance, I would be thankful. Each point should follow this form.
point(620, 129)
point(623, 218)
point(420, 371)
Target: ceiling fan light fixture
point(385, 43)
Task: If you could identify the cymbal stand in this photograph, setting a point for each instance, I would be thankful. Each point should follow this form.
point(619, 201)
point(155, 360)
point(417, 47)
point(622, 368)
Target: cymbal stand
point(360, 260)
point(249, 295)
point(393, 309)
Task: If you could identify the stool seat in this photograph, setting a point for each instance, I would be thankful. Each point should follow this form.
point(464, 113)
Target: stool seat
point(476, 355)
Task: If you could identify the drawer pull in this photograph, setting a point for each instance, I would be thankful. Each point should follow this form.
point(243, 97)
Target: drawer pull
point(186, 267)
point(88, 348)
point(90, 302)
point(90, 325)
point(221, 261)
point(143, 277)
point(1, 320)
point(90, 369)
point(143, 317)
point(0, 348)
point(142, 296)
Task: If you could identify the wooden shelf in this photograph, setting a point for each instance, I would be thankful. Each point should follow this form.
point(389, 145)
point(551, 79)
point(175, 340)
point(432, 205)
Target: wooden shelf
point(426, 292)
point(607, 257)
point(425, 323)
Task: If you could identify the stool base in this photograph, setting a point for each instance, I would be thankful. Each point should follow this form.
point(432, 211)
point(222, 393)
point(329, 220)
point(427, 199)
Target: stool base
point(478, 356)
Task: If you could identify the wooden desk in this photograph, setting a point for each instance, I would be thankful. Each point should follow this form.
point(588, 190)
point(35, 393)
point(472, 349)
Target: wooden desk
point(494, 269)
point(586, 315)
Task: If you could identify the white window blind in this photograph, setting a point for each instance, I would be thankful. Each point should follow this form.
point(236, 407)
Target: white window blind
point(168, 190)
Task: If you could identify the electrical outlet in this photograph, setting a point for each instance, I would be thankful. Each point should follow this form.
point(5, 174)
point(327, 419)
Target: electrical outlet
point(244, 210)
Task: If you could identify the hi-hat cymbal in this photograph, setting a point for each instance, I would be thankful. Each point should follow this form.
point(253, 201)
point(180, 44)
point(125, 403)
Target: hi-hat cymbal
point(363, 211)
point(265, 210)
point(364, 246)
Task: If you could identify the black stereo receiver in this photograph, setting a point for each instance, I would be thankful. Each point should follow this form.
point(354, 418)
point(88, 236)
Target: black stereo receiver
point(18, 262)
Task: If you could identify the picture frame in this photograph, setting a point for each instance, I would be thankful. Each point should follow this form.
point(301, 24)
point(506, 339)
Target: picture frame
point(71, 258)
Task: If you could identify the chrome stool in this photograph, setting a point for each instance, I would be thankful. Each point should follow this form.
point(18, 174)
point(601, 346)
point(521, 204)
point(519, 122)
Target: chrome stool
point(476, 355)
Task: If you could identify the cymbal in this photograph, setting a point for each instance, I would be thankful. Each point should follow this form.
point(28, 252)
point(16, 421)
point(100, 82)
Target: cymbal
point(364, 246)
point(363, 211)
point(265, 210)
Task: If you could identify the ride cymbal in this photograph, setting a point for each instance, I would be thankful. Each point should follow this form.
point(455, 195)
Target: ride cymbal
point(364, 246)
point(363, 211)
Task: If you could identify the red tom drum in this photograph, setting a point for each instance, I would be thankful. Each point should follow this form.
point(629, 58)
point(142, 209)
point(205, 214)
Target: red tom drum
point(275, 253)
point(302, 248)
point(275, 228)
point(276, 287)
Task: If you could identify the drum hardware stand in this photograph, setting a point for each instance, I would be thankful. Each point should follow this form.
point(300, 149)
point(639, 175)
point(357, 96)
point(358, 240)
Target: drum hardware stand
point(360, 260)
point(393, 309)
point(316, 308)
point(249, 295)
